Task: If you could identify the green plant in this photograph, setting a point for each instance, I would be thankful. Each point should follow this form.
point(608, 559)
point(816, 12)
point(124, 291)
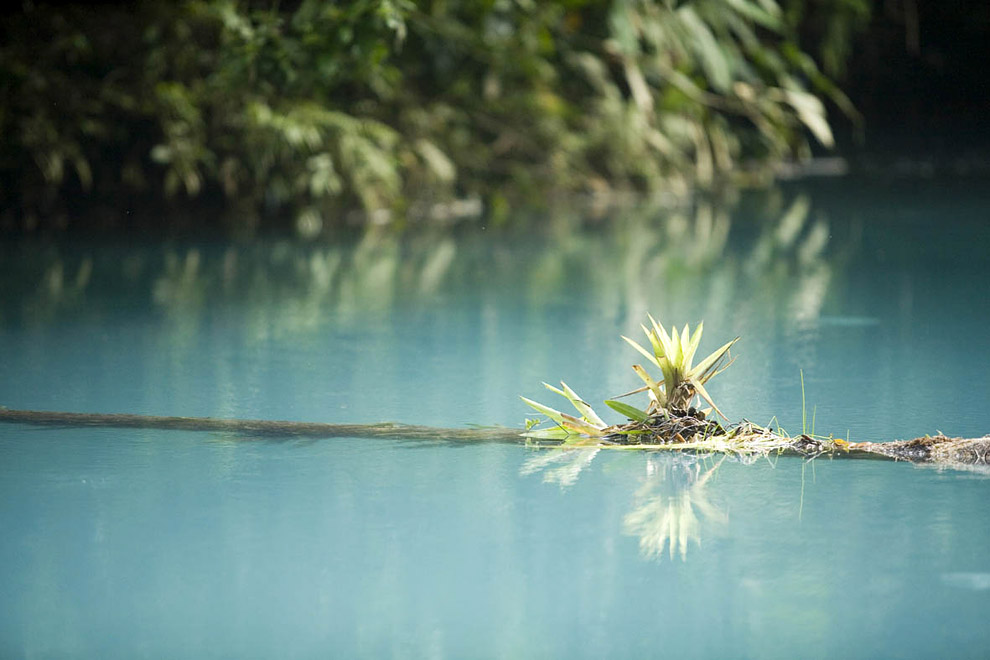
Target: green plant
point(669, 416)
point(299, 112)
point(589, 424)
point(673, 354)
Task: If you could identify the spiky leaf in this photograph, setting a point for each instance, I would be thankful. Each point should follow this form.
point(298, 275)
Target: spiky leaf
point(653, 385)
point(703, 393)
point(654, 342)
point(662, 336)
point(587, 413)
point(698, 372)
point(692, 346)
point(642, 350)
point(563, 419)
point(552, 413)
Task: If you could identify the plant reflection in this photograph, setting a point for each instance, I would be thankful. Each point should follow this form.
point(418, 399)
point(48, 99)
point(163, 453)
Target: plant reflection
point(670, 507)
point(671, 504)
point(567, 465)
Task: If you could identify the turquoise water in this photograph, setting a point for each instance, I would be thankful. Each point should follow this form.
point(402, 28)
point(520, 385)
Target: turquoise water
point(124, 543)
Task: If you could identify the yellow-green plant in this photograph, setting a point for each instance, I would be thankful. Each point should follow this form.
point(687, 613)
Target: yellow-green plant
point(673, 354)
point(589, 424)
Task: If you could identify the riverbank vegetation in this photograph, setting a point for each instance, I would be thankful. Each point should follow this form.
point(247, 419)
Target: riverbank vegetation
point(296, 114)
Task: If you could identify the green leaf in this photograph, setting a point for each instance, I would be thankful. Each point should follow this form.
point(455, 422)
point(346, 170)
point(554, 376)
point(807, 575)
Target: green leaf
point(587, 412)
point(631, 412)
point(662, 337)
point(682, 347)
point(811, 112)
point(563, 419)
point(654, 343)
point(654, 386)
point(757, 14)
point(713, 57)
point(579, 425)
point(553, 414)
point(703, 393)
point(631, 392)
point(692, 345)
point(675, 355)
point(671, 376)
point(715, 372)
point(642, 350)
point(634, 432)
point(699, 371)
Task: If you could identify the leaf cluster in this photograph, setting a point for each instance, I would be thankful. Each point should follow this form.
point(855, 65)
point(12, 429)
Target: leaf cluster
point(670, 398)
point(305, 110)
point(673, 354)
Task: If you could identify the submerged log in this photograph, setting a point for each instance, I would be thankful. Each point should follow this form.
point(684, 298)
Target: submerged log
point(257, 427)
point(935, 450)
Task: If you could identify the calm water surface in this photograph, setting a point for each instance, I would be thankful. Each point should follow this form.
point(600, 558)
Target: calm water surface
point(128, 544)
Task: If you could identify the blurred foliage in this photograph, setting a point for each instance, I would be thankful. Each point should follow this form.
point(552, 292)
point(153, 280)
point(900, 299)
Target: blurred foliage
point(830, 27)
point(299, 111)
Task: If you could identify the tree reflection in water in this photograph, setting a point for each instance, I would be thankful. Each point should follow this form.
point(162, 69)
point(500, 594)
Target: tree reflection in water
point(649, 256)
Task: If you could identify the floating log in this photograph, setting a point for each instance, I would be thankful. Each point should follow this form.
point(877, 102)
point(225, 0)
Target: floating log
point(931, 449)
point(936, 450)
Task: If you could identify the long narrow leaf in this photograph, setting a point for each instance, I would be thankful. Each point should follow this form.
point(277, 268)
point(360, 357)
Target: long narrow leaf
point(580, 440)
point(569, 422)
point(631, 412)
point(703, 393)
point(671, 376)
point(654, 386)
point(662, 336)
point(587, 413)
point(642, 350)
point(676, 355)
point(710, 360)
point(654, 342)
point(631, 392)
point(579, 425)
point(692, 346)
point(713, 370)
point(563, 419)
point(553, 414)
point(720, 369)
